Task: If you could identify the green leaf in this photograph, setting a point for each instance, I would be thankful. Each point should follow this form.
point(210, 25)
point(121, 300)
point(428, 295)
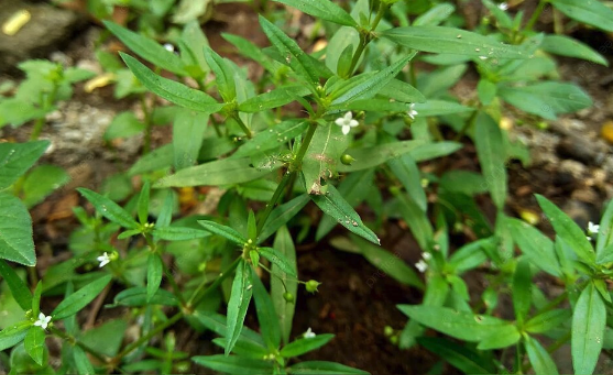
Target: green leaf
point(504, 20)
point(192, 40)
point(84, 366)
point(548, 321)
point(593, 13)
point(217, 323)
point(502, 338)
point(469, 256)
point(281, 283)
point(488, 140)
point(41, 182)
point(435, 15)
point(535, 245)
point(38, 291)
point(187, 135)
point(568, 230)
point(235, 365)
point(124, 125)
point(305, 345)
point(373, 156)
point(354, 188)
point(155, 269)
point(589, 320)
point(224, 76)
point(160, 158)
point(142, 206)
point(179, 233)
point(20, 291)
point(440, 108)
point(228, 171)
point(106, 338)
point(16, 243)
point(34, 344)
point(170, 90)
point(137, 296)
point(302, 64)
point(458, 356)
point(605, 234)
point(449, 40)
point(546, 99)
point(281, 215)
point(459, 324)
point(272, 138)
point(323, 368)
point(238, 304)
point(391, 264)
point(278, 258)
point(539, 358)
point(366, 86)
point(147, 49)
point(109, 209)
point(81, 298)
point(401, 91)
point(272, 99)
point(486, 90)
point(224, 231)
point(336, 206)
point(566, 46)
point(269, 325)
point(522, 290)
point(250, 50)
point(417, 221)
point(17, 158)
point(322, 9)
point(407, 172)
point(244, 348)
point(14, 334)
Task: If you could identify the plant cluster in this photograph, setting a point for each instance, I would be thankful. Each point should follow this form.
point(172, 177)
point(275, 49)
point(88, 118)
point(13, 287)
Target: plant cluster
point(374, 106)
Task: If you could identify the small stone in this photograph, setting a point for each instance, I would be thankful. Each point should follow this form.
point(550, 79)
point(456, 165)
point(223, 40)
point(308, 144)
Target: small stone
point(606, 132)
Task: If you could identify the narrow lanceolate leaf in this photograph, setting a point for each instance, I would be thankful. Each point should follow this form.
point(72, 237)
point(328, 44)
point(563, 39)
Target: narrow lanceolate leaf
point(179, 233)
point(522, 290)
point(268, 100)
point(416, 220)
point(458, 356)
point(281, 283)
point(323, 367)
point(301, 63)
point(235, 365)
point(391, 264)
point(281, 215)
point(589, 320)
point(605, 234)
point(238, 304)
point(459, 324)
point(370, 157)
point(272, 138)
point(34, 343)
point(591, 12)
point(155, 269)
point(566, 228)
point(567, 46)
point(16, 243)
point(17, 158)
point(323, 9)
point(535, 245)
point(147, 49)
point(488, 140)
point(406, 171)
point(269, 325)
point(305, 345)
point(333, 204)
point(224, 231)
point(84, 366)
point(539, 358)
point(278, 258)
point(109, 209)
point(187, 134)
point(228, 171)
point(367, 86)
point(81, 298)
point(548, 321)
point(435, 16)
point(14, 334)
point(441, 39)
point(224, 76)
point(21, 293)
point(171, 90)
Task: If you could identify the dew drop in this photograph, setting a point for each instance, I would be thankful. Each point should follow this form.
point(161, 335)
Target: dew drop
point(477, 49)
point(354, 223)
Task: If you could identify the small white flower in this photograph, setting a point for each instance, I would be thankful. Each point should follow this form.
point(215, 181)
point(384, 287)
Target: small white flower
point(42, 321)
point(503, 6)
point(421, 266)
point(588, 238)
point(346, 122)
point(593, 228)
point(412, 112)
point(169, 47)
point(426, 256)
point(309, 334)
point(104, 259)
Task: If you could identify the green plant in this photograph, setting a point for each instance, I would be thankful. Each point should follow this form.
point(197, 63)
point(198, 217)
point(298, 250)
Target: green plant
point(368, 117)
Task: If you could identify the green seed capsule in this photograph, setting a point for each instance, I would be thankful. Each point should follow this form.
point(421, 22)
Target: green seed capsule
point(347, 159)
point(311, 286)
point(288, 297)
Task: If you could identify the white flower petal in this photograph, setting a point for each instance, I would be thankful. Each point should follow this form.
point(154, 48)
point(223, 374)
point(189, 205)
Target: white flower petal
point(348, 116)
point(346, 129)
point(421, 266)
point(353, 123)
point(309, 334)
point(339, 121)
point(426, 256)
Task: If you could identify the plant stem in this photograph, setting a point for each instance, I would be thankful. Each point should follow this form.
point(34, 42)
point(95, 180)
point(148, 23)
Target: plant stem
point(358, 53)
point(275, 197)
point(305, 144)
point(366, 37)
point(73, 340)
point(46, 103)
point(238, 119)
point(467, 125)
point(535, 16)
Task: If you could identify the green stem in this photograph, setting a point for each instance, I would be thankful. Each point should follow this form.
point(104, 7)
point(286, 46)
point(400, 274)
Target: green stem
point(175, 288)
point(366, 37)
point(358, 53)
point(305, 143)
point(46, 103)
point(467, 125)
point(73, 340)
point(535, 16)
point(238, 119)
point(273, 201)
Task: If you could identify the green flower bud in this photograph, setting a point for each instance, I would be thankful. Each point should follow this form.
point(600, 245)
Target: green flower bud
point(288, 297)
point(347, 159)
point(388, 331)
point(311, 286)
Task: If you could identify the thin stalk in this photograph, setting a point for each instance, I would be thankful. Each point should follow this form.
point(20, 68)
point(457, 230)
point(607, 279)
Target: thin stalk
point(175, 288)
point(467, 125)
point(366, 37)
point(238, 119)
point(73, 340)
point(305, 143)
point(358, 53)
point(535, 16)
point(46, 103)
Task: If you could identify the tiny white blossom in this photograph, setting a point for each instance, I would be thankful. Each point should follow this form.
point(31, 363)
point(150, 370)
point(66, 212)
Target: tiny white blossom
point(42, 321)
point(593, 228)
point(346, 122)
point(426, 256)
point(412, 112)
point(503, 6)
point(104, 259)
point(421, 266)
point(309, 334)
point(169, 47)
